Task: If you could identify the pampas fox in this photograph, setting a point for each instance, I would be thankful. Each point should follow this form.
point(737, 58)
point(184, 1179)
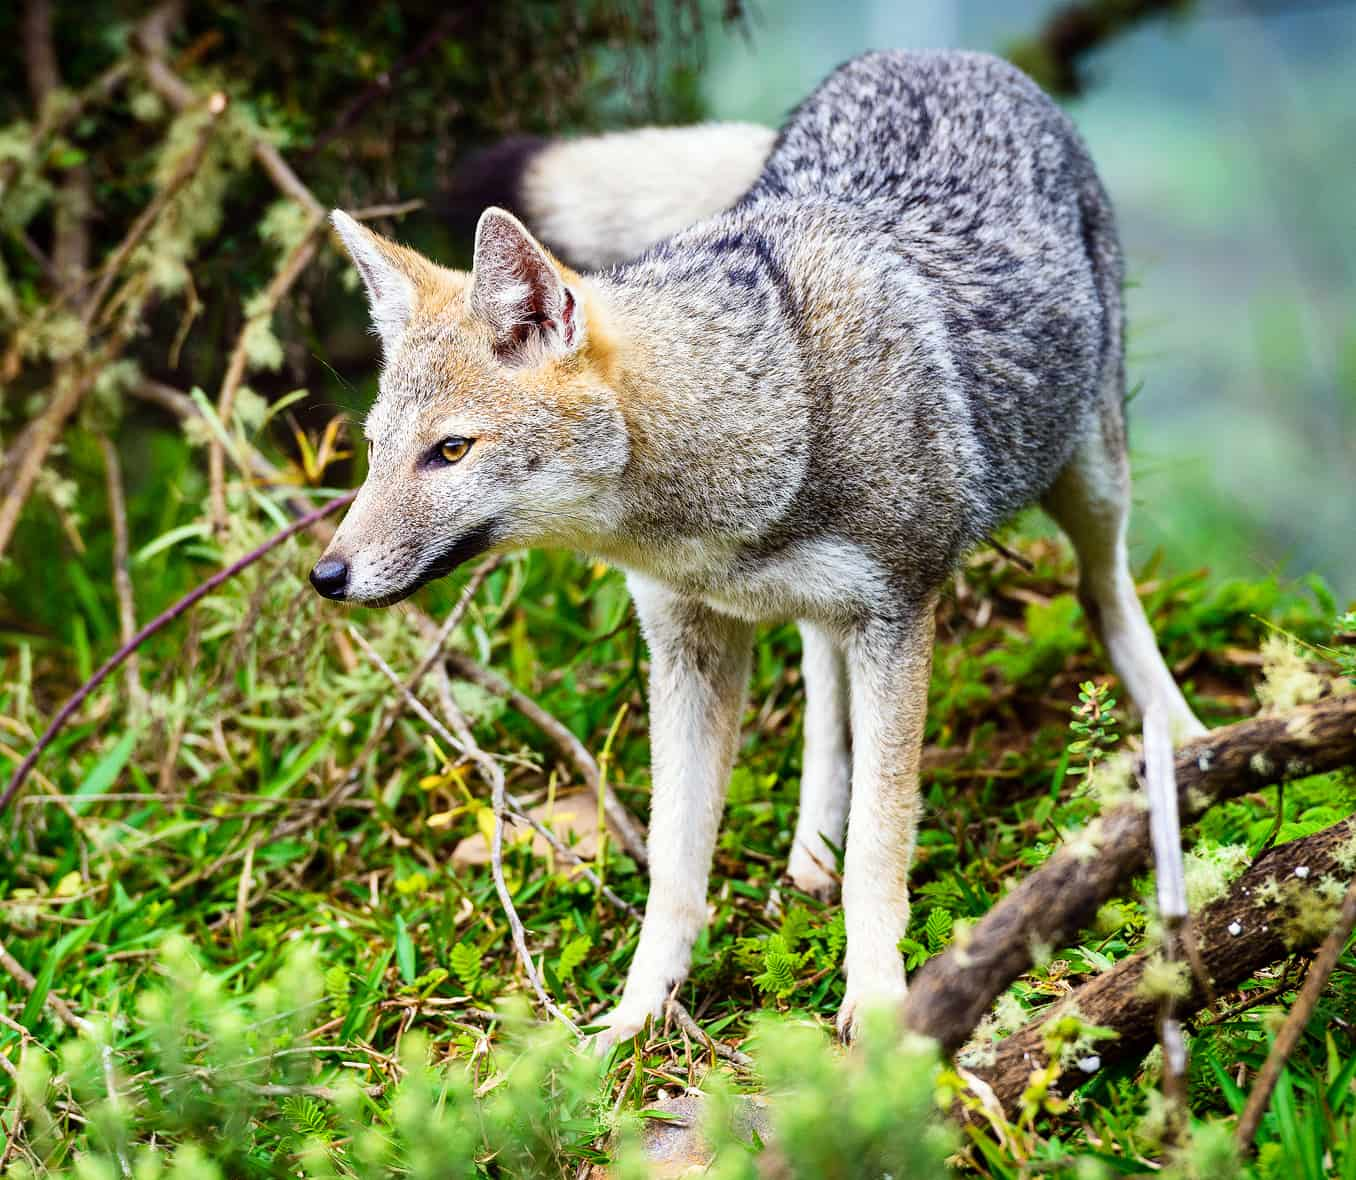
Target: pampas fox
point(808, 406)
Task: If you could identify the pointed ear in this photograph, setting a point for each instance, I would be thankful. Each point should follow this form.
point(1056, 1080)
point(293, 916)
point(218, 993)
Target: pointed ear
point(389, 272)
point(518, 289)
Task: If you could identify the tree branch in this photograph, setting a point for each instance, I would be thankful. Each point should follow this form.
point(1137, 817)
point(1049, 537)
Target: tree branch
point(1266, 915)
point(952, 992)
point(1314, 982)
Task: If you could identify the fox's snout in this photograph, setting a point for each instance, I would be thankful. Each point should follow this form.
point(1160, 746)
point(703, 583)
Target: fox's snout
point(330, 577)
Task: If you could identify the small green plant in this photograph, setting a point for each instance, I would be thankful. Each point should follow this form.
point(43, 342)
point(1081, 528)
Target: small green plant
point(1094, 727)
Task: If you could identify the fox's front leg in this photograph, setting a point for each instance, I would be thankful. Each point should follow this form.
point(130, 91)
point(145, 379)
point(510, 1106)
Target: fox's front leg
point(699, 667)
point(888, 667)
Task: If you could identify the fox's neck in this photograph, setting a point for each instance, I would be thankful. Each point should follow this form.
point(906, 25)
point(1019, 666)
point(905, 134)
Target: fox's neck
point(709, 380)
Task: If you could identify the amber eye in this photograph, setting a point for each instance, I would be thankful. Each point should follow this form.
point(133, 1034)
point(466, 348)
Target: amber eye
point(453, 450)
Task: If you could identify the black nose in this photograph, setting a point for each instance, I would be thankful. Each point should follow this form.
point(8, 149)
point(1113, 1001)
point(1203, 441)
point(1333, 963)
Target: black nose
point(330, 576)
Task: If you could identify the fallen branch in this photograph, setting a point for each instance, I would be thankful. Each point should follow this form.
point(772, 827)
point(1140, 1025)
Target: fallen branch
point(953, 991)
point(1266, 915)
point(1314, 982)
point(159, 623)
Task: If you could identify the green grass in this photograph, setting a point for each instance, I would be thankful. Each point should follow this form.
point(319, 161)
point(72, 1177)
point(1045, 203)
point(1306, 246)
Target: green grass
point(269, 976)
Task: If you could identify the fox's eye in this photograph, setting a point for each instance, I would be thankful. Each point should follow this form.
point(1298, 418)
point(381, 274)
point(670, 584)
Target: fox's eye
point(453, 450)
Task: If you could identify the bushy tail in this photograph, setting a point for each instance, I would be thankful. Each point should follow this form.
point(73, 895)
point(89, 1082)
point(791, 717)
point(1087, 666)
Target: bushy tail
point(604, 199)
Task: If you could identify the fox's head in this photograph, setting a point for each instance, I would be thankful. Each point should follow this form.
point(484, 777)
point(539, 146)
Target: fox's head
point(495, 424)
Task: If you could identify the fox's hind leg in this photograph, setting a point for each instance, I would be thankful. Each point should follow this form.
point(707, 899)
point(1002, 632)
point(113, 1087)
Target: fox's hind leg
point(826, 769)
point(1090, 501)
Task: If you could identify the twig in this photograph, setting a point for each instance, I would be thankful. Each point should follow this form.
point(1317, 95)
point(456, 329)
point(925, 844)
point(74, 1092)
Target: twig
point(158, 623)
point(517, 809)
point(628, 832)
point(494, 774)
point(63, 1010)
point(683, 1019)
point(122, 578)
point(1286, 1040)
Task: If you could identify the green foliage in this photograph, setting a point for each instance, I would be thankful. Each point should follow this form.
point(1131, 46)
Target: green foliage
point(1093, 726)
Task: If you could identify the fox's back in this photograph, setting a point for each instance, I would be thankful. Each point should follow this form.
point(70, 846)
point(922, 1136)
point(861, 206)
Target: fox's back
point(929, 248)
point(988, 195)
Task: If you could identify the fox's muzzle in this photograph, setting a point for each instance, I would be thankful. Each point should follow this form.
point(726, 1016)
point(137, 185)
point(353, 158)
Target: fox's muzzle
point(332, 574)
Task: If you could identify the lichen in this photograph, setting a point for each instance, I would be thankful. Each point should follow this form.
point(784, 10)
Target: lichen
point(1287, 679)
point(1309, 916)
point(1162, 978)
point(1112, 781)
point(1210, 867)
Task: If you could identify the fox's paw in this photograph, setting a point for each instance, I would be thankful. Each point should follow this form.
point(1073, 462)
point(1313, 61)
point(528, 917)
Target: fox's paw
point(811, 876)
point(625, 1021)
point(865, 1009)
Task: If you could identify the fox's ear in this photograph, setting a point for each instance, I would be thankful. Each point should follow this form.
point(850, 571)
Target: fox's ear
point(517, 288)
point(389, 272)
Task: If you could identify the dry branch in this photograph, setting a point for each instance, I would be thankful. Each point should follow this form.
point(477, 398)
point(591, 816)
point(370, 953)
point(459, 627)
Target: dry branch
point(1266, 915)
point(1314, 982)
point(954, 990)
point(122, 577)
point(493, 773)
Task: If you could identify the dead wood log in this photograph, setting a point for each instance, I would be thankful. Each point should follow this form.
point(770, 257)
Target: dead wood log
point(1284, 903)
point(953, 991)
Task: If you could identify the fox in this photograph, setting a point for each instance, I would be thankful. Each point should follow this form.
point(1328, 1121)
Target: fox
point(884, 331)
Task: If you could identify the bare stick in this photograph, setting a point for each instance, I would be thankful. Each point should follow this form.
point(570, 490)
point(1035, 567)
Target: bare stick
point(628, 832)
point(683, 1019)
point(291, 269)
point(158, 623)
point(953, 990)
point(1286, 1040)
point(122, 578)
point(494, 774)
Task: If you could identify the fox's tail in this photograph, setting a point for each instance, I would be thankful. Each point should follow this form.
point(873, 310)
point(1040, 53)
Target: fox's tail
point(606, 198)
